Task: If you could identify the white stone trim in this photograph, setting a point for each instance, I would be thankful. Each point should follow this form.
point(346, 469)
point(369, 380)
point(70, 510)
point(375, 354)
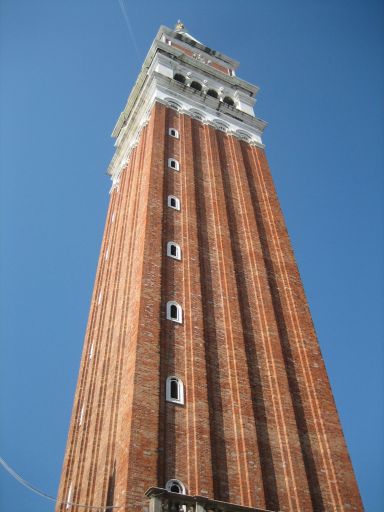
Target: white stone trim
point(173, 164)
point(202, 56)
point(170, 483)
point(158, 85)
point(173, 481)
point(176, 256)
point(221, 125)
point(158, 47)
point(180, 390)
point(179, 309)
point(129, 136)
point(177, 201)
point(197, 114)
point(172, 132)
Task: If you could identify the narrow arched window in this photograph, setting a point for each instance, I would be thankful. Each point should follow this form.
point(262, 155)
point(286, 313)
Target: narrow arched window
point(173, 250)
point(175, 486)
point(174, 390)
point(196, 85)
point(174, 312)
point(173, 202)
point(229, 101)
point(173, 133)
point(179, 78)
point(173, 164)
point(213, 93)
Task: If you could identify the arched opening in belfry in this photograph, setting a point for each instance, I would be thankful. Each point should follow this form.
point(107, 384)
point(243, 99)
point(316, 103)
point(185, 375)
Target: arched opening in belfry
point(213, 93)
point(179, 78)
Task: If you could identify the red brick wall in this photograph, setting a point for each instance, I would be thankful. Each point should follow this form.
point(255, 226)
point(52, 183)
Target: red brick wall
point(259, 426)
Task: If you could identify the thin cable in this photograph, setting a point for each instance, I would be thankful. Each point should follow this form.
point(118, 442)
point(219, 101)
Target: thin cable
point(130, 30)
point(34, 489)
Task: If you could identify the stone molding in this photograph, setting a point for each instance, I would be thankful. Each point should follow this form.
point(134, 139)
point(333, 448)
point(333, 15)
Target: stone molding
point(156, 83)
point(171, 93)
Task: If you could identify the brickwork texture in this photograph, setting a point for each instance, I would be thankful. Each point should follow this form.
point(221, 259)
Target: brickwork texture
point(259, 426)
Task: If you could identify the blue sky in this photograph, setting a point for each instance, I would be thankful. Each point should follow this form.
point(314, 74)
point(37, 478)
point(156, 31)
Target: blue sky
point(66, 70)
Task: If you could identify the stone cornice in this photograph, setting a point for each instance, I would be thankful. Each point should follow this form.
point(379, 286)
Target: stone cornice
point(156, 83)
point(171, 93)
point(161, 47)
point(202, 101)
point(211, 53)
point(209, 70)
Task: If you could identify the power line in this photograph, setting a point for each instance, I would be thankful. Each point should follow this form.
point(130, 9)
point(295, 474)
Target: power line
point(130, 30)
point(43, 494)
point(3, 463)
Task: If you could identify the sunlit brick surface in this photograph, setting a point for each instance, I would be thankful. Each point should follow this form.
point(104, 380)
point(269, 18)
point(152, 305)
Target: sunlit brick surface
point(259, 426)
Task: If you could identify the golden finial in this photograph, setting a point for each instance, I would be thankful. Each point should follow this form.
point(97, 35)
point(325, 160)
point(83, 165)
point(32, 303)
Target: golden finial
point(179, 26)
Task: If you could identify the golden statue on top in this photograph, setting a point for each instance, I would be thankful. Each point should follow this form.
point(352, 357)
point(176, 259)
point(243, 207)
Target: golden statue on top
point(179, 26)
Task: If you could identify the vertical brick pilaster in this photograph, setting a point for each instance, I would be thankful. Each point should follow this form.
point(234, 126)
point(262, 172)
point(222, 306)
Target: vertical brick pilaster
point(259, 425)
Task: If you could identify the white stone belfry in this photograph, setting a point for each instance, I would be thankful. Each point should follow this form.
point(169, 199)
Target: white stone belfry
point(182, 73)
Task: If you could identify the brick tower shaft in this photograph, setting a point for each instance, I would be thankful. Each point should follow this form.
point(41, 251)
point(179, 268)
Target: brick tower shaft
point(201, 373)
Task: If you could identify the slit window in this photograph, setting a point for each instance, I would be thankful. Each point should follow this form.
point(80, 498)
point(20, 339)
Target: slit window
point(174, 391)
point(173, 250)
point(173, 164)
point(174, 312)
point(174, 202)
point(174, 133)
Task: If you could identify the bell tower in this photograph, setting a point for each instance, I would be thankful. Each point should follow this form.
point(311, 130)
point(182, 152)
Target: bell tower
point(201, 385)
